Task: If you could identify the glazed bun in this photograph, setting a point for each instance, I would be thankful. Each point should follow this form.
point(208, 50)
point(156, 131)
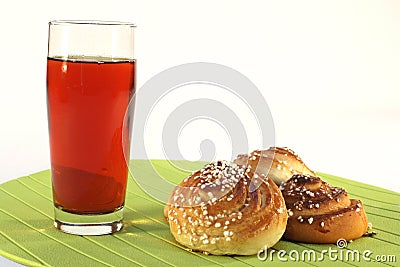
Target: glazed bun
point(278, 163)
point(225, 208)
point(321, 213)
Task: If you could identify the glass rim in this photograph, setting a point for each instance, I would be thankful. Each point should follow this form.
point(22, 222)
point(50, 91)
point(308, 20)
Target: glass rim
point(92, 22)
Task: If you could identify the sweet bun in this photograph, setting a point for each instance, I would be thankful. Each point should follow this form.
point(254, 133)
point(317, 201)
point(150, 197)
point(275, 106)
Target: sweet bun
point(221, 209)
point(278, 163)
point(321, 213)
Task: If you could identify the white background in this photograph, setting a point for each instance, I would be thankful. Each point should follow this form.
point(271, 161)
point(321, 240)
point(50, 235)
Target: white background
point(329, 70)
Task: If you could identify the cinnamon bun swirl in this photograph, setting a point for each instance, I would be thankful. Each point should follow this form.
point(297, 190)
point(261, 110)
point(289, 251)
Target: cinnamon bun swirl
point(221, 209)
point(321, 213)
point(278, 163)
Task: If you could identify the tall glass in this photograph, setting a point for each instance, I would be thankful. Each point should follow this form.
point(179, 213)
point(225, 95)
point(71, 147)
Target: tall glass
point(90, 82)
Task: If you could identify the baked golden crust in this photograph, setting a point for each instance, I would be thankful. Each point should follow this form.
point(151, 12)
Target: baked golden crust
point(221, 210)
point(321, 213)
point(278, 163)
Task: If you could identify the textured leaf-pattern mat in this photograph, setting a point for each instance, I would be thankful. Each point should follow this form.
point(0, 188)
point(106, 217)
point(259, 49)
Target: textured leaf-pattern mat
point(27, 234)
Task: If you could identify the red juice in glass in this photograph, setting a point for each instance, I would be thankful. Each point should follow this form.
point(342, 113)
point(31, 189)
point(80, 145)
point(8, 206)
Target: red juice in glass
point(87, 100)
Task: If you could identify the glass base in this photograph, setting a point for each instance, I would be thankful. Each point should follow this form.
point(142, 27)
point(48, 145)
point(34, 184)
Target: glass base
point(93, 224)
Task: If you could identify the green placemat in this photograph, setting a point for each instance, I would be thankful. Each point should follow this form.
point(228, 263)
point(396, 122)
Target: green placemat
point(27, 234)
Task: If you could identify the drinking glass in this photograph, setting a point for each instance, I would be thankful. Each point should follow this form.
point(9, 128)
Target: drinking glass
point(90, 82)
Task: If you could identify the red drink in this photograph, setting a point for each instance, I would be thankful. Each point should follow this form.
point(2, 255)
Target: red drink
point(87, 101)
